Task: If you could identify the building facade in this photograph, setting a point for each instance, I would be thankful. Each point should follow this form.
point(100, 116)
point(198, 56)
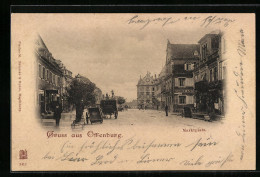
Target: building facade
point(209, 74)
point(159, 85)
point(178, 86)
point(157, 100)
point(66, 81)
point(145, 91)
point(49, 79)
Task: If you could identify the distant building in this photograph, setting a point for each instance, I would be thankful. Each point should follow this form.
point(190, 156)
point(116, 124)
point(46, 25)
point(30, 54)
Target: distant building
point(159, 85)
point(132, 104)
point(48, 78)
point(209, 74)
point(145, 91)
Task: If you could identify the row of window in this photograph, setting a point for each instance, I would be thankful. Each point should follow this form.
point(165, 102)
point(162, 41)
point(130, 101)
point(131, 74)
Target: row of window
point(214, 74)
point(145, 101)
point(183, 82)
point(47, 75)
point(147, 93)
point(181, 100)
point(179, 82)
point(147, 88)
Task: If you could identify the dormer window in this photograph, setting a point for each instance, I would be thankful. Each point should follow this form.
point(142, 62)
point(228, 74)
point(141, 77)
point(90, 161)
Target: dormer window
point(188, 66)
point(215, 42)
point(196, 53)
point(204, 51)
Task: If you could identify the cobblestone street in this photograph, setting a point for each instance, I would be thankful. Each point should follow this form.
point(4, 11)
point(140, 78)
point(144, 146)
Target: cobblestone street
point(135, 118)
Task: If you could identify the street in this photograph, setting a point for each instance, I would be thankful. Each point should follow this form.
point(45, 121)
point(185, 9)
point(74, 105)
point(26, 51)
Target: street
point(135, 118)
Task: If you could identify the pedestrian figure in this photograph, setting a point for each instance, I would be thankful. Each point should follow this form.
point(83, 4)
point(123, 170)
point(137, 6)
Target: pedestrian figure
point(79, 111)
point(166, 110)
point(87, 117)
point(57, 113)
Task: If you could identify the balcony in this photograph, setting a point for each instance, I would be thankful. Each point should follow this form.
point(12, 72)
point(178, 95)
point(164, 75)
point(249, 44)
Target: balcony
point(205, 86)
point(202, 86)
point(218, 84)
point(210, 57)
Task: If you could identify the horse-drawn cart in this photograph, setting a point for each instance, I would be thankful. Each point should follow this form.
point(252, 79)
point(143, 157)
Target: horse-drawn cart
point(95, 115)
point(109, 107)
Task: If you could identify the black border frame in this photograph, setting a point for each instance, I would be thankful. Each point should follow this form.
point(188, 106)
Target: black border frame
point(55, 7)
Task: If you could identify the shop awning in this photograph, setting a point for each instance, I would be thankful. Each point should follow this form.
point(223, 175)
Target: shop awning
point(52, 91)
point(201, 86)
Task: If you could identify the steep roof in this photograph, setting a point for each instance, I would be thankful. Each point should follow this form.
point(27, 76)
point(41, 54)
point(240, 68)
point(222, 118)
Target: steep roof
point(40, 44)
point(146, 80)
point(182, 50)
point(206, 36)
point(163, 72)
point(211, 34)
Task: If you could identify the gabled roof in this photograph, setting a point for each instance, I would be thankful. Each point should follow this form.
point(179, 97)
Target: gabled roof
point(211, 34)
point(182, 51)
point(206, 36)
point(146, 80)
point(163, 72)
point(40, 44)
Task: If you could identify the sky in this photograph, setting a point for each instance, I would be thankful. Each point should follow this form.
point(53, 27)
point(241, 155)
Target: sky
point(108, 50)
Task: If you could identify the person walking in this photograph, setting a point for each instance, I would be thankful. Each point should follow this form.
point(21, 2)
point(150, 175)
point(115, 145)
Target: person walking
point(87, 117)
point(166, 110)
point(57, 113)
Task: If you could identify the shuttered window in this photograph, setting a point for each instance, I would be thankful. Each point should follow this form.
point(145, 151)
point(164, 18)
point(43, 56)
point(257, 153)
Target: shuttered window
point(40, 71)
point(43, 73)
point(182, 99)
point(181, 81)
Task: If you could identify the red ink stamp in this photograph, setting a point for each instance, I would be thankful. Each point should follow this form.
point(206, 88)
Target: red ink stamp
point(23, 154)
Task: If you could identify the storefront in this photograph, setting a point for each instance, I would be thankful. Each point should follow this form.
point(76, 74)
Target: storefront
point(209, 97)
point(47, 100)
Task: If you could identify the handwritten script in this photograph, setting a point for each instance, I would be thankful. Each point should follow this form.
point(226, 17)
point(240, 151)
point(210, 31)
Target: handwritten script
point(107, 152)
point(239, 90)
point(166, 21)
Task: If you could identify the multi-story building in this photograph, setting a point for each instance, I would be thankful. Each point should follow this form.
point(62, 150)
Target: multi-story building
point(158, 87)
point(209, 74)
point(178, 84)
point(49, 78)
point(145, 91)
point(66, 81)
point(157, 99)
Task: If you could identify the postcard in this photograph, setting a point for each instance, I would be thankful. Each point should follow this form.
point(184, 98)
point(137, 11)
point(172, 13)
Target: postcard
point(133, 91)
